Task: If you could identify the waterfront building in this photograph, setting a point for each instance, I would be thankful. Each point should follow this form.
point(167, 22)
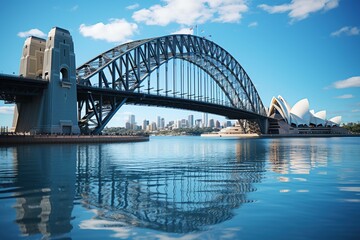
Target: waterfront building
point(298, 119)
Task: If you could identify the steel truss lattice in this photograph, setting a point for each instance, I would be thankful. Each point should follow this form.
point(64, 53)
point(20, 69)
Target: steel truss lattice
point(170, 68)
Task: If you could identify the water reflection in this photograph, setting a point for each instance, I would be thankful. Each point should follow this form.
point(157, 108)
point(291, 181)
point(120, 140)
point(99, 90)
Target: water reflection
point(44, 188)
point(298, 156)
point(130, 185)
point(172, 195)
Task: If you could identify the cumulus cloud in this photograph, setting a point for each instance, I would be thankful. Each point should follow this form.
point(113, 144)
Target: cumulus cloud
point(253, 24)
point(345, 96)
point(350, 31)
point(117, 30)
point(190, 12)
point(6, 109)
point(348, 83)
point(184, 31)
point(132, 7)
point(300, 9)
point(32, 32)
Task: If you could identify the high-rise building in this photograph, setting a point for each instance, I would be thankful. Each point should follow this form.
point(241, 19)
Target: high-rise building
point(158, 122)
point(162, 123)
point(184, 123)
point(198, 123)
point(217, 124)
point(152, 126)
point(191, 121)
point(145, 124)
point(211, 123)
point(205, 120)
point(131, 119)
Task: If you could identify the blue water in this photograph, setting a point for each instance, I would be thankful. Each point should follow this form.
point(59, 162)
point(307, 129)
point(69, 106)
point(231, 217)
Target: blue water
point(182, 188)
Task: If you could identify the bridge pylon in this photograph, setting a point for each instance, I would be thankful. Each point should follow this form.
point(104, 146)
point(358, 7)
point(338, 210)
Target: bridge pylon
point(55, 111)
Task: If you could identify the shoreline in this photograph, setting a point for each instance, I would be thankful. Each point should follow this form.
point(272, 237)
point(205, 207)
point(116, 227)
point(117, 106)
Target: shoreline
point(307, 135)
point(66, 139)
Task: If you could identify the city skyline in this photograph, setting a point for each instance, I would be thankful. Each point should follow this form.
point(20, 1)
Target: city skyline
point(161, 123)
point(295, 49)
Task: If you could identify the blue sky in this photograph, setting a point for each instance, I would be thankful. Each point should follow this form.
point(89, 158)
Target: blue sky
point(293, 48)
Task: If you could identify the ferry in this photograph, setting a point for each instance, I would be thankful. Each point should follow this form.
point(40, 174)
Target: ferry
point(231, 132)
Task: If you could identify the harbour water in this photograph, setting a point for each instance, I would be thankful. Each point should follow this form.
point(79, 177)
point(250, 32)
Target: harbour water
point(182, 188)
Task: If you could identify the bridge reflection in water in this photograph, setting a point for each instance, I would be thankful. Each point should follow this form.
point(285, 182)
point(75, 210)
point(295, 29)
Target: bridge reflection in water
point(165, 194)
point(162, 194)
point(44, 188)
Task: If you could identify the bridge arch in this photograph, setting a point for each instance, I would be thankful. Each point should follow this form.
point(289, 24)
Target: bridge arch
point(128, 68)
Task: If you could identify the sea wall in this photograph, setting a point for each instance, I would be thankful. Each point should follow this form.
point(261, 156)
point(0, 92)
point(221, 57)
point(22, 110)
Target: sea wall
point(48, 139)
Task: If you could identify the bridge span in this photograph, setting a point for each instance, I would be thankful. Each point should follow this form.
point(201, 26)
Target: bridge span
point(175, 71)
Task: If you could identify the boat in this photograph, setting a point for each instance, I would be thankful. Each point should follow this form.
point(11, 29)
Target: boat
point(231, 132)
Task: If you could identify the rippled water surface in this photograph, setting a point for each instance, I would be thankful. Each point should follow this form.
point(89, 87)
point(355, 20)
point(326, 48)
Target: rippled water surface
point(183, 188)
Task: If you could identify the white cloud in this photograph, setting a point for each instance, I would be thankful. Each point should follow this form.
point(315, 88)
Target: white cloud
point(300, 9)
point(6, 109)
point(253, 24)
point(350, 31)
point(190, 12)
point(117, 30)
point(132, 7)
point(348, 83)
point(32, 32)
point(345, 96)
point(184, 31)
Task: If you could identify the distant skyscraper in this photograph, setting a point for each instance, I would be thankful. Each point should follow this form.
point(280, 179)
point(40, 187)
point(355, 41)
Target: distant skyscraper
point(153, 126)
point(217, 124)
point(131, 119)
point(198, 122)
point(162, 123)
point(205, 120)
point(158, 123)
point(211, 123)
point(191, 121)
point(145, 124)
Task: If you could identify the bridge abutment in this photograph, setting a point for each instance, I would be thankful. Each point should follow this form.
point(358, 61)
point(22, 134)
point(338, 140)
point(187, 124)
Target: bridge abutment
point(56, 110)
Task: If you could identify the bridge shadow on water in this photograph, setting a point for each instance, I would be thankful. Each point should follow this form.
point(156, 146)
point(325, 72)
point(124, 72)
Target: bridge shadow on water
point(165, 194)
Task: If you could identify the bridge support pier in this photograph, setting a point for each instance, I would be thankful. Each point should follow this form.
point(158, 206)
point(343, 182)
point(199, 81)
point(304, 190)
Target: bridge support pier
point(55, 112)
point(264, 125)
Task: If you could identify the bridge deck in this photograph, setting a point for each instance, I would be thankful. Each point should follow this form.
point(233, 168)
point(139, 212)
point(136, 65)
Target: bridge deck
point(14, 88)
point(108, 95)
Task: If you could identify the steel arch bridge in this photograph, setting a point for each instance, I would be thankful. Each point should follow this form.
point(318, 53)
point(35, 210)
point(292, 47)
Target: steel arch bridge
point(177, 71)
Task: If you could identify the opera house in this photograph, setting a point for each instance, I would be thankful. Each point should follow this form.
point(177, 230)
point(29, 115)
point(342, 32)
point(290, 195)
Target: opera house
point(298, 119)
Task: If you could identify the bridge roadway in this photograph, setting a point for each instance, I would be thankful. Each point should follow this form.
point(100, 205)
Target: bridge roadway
point(14, 88)
point(109, 95)
point(17, 89)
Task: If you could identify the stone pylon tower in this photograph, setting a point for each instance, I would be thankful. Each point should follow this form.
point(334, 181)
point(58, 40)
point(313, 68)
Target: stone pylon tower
point(54, 112)
point(27, 114)
point(60, 98)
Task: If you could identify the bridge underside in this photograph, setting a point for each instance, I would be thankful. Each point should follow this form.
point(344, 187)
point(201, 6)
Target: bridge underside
point(110, 97)
point(19, 89)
